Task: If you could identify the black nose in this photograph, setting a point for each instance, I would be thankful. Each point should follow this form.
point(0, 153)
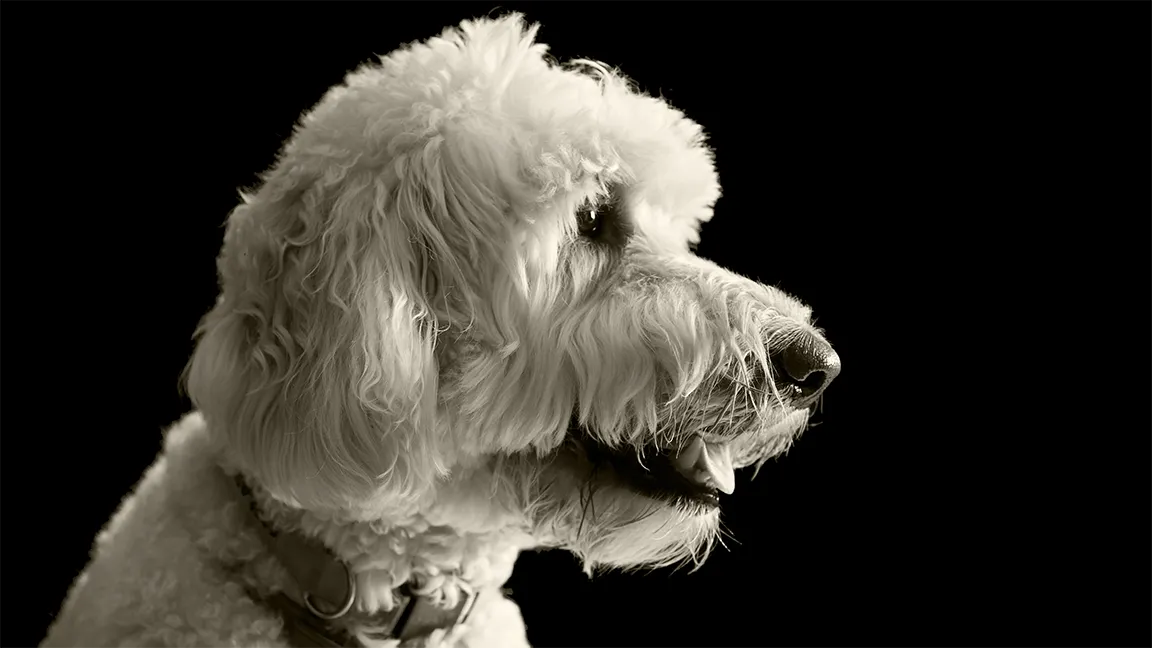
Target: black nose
point(804, 368)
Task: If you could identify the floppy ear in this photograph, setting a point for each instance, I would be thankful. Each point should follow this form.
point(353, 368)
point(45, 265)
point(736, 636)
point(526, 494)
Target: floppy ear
point(316, 367)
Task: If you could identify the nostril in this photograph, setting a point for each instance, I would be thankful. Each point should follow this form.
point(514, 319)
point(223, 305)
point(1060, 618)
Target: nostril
point(813, 382)
point(806, 366)
point(799, 362)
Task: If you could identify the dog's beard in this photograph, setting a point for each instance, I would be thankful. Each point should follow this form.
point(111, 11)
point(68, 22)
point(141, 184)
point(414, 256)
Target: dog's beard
point(576, 505)
point(625, 504)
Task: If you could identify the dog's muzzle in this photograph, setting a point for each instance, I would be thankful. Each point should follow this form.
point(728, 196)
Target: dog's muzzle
point(802, 371)
point(696, 472)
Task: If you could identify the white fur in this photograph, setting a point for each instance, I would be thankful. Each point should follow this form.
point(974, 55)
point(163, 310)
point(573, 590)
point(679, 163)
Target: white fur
point(408, 320)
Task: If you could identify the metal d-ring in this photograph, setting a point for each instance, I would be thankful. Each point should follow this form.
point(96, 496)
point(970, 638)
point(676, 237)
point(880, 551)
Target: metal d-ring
point(343, 609)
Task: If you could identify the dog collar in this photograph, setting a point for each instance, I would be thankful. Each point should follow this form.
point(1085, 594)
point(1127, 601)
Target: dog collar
point(325, 591)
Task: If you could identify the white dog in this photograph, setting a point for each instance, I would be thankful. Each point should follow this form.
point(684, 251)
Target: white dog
point(460, 318)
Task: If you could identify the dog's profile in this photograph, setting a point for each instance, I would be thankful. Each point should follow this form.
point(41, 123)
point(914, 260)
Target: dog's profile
point(461, 317)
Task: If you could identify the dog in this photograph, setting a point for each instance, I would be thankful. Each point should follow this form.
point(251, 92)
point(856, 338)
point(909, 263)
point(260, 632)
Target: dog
point(461, 317)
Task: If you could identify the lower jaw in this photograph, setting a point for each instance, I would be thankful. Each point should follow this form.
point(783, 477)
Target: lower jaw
point(694, 502)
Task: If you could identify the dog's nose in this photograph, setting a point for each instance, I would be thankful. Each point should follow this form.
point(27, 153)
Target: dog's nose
point(804, 368)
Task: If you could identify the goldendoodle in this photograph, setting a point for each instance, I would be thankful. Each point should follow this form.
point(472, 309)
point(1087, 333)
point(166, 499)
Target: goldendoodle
point(461, 317)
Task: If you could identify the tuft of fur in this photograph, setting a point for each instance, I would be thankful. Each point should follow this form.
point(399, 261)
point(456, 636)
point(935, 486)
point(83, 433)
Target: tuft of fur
point(410, 325)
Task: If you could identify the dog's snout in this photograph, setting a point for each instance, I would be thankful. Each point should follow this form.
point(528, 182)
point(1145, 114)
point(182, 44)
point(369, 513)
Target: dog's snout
point(804, 368)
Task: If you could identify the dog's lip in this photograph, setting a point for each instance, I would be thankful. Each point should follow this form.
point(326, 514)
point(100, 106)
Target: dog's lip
point(706, 464)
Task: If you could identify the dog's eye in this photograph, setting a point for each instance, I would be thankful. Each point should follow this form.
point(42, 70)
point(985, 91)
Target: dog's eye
point(590, 219)
point(601, 220)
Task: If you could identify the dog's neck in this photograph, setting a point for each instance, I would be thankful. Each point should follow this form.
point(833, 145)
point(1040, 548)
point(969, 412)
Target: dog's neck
point(442, 547)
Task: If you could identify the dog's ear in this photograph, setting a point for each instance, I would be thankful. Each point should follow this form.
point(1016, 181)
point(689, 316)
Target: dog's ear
point(316, 368)
point(390, 217)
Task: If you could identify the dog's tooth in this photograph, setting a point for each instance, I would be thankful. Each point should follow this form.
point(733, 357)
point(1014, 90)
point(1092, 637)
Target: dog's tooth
point(707, 464)
point(717, 462)
point(687, 459)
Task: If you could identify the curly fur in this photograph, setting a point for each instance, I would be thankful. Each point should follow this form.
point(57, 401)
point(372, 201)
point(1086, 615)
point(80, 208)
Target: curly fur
point(408, 325)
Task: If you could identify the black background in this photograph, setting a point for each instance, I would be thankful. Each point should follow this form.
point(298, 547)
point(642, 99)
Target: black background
point(961, 191)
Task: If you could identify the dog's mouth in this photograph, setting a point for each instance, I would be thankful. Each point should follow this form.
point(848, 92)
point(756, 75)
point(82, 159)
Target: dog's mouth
point(692, 476)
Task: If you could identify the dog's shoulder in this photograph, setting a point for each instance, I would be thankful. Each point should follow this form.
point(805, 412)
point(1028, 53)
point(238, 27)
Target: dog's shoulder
point(188, 434)
point(167, 570)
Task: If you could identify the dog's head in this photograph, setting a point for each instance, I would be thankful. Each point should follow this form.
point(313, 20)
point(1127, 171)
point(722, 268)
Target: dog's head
point(473, 264)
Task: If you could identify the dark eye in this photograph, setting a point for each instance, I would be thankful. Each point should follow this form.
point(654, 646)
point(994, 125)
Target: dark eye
point(590, 219)
point(602, 219)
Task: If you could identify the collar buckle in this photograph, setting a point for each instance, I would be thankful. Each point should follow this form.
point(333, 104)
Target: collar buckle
point(350, 599)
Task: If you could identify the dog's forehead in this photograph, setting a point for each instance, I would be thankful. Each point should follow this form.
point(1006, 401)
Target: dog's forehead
point(568, 127)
